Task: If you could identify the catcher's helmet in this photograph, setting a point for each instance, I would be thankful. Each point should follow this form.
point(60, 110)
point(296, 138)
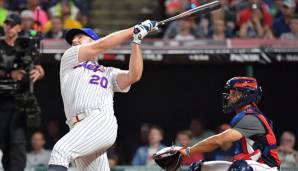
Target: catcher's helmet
point(240, 165)
point(252, 92)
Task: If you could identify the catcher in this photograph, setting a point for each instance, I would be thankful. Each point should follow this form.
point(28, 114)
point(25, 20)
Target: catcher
point(250, 130)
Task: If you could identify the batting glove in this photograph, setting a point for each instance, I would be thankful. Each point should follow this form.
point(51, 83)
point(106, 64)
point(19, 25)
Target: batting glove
point(139, 32)
point(150, 25)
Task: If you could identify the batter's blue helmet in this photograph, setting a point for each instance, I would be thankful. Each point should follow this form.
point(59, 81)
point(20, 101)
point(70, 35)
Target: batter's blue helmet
point(240, 165)
point(86, 31)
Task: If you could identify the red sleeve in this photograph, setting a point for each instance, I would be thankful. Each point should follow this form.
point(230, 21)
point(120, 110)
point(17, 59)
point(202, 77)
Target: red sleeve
point(267, 18)
point(192, 158)
point(244, 16)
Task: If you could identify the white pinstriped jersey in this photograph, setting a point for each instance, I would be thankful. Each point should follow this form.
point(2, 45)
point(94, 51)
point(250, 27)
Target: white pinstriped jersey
point(87, 85)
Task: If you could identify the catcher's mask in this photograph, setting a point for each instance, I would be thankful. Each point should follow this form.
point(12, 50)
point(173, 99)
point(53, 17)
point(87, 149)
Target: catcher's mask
point(248, 86)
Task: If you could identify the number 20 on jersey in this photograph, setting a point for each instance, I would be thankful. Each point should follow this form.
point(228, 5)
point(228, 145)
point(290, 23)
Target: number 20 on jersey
point(101, 81)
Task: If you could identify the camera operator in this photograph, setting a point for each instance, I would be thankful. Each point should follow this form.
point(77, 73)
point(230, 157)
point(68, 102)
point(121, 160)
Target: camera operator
point(12, 120)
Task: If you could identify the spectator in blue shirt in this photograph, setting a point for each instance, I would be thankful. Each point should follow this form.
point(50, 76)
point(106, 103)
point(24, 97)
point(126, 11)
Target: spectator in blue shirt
point(143, 155)
point(281, 24)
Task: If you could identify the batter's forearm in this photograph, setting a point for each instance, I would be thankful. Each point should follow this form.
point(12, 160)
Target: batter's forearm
point(135, 68)
point(112, 40)
point(135, 63)
point(91, 50)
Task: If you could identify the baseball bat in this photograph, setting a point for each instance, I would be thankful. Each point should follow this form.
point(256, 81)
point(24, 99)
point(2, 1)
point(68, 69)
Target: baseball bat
point(193, 12)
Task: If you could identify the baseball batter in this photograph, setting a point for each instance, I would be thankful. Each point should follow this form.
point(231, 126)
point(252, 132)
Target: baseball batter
point(250, 130)
point(87, 90)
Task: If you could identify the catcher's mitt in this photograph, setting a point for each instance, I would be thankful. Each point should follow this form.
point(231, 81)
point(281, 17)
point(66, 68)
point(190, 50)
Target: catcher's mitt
point(168, 158)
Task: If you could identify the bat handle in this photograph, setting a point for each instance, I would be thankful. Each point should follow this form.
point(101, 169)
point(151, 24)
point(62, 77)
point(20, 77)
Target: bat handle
point(160, 23)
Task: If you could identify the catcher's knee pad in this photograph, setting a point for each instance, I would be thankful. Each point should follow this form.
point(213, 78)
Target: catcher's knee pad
point(240, 165)
point(196, 166)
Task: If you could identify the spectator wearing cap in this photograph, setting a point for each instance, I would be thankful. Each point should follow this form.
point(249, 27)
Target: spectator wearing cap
point(281, 24)
point(12, 21)
point(293, 35)
point(27, 22)
point(40, 16)
point(255, 21)
point(12, 125)
point(57, 31)
point(3, 12)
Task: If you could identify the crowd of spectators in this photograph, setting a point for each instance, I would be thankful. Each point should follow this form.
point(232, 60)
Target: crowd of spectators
point(153, 139)
point(237, 19)
point(266, 19)
point(49, 18)
point(197, 132)
point(42, 141)
point(39, 147)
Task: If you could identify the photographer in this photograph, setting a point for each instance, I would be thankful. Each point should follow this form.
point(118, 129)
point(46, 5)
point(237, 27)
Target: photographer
point(12, 119)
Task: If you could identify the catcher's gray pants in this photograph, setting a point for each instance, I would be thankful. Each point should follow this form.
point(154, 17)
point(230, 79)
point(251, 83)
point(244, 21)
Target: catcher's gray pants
point(224, 166)
point(86, 143)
